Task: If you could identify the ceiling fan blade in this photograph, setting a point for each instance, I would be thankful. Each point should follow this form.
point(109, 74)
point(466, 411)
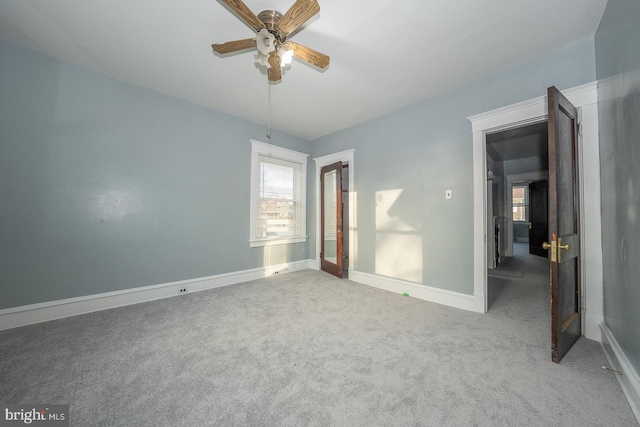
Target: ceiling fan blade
point(298, 14)
point(275, 73)
point(313, 57)
point(234, 46)
point(245, 13)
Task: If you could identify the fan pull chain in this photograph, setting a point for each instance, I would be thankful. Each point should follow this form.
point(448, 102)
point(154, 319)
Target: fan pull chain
point(269, 112)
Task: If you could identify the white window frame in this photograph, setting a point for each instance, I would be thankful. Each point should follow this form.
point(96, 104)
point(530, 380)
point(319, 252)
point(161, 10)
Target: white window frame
point(260, 150)
point(525, 204)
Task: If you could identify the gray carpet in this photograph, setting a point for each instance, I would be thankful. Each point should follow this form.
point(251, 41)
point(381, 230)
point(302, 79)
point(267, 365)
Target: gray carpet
point(506, 273)
point(306, 348)
point(522, 269)
point(523, 265)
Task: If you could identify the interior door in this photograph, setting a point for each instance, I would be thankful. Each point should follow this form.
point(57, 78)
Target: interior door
point(566, 325)
point(538, 217)
point(331, 219)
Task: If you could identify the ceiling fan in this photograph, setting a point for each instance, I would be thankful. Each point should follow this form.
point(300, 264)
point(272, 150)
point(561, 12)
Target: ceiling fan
point(272, 29)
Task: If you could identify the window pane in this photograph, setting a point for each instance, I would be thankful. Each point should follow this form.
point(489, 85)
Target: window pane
point(277, 211)
point(519, 213)
point(519, 200)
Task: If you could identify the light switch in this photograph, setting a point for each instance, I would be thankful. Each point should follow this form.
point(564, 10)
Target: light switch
point(448, 194)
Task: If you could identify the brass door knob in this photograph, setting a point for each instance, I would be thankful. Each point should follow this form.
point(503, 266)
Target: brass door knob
point(561, 246)
point(545, 246)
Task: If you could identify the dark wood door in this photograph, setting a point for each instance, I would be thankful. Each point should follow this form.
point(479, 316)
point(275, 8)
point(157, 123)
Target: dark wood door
point(538, 217)
point(566, 325)
point(331, 219)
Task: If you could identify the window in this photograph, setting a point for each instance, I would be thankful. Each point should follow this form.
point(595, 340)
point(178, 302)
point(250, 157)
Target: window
point(520, 200)
point(278, 199)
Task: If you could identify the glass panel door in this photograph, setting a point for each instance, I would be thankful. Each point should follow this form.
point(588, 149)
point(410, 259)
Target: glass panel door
point(331, 219)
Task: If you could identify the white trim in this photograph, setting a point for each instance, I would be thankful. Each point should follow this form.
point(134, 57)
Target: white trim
point(629, 381)
point(263, 149)
point(51, 310)
point(530, 111)
point(585, 97)
point(346, 157)
point(427, 293)
point(591, 221)
point(278, 152)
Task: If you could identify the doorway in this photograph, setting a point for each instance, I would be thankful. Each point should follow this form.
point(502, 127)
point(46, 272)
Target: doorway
point(349, 208)
point(334, 219)
point(585, 98)
point(533, 111)
point(517, 167)
point(515, 158)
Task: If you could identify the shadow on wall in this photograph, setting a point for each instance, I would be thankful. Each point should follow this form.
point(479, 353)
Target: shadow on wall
point(399, 245)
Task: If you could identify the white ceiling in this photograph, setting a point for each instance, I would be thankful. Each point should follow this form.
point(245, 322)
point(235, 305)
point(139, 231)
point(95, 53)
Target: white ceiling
point(385, 54)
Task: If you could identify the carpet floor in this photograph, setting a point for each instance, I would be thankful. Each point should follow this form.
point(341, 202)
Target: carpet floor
point(306, 348)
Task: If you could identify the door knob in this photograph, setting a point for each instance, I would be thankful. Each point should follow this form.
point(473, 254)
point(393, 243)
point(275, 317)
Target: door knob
point(561, 246)
point(545, 246)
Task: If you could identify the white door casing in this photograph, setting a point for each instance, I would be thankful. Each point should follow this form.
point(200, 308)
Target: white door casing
point(585, 97)
point(346, 157)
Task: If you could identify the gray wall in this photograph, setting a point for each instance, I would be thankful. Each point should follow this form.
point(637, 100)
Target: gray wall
point(422, 150)
point(106, 186)
point(618, 69)
point(521, 230)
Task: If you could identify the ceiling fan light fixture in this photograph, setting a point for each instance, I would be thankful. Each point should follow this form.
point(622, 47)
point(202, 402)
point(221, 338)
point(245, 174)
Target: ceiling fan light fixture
point(286, 56)
point(265, 42)
point(262, 60)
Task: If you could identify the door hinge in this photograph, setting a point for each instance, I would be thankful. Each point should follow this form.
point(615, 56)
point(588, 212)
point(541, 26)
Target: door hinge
point(583, 304)
point(580, 130)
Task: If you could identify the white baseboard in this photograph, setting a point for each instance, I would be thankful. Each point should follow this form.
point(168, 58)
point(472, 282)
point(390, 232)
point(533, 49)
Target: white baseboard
point(440, 296)
point(51, 310)
point(629, 381)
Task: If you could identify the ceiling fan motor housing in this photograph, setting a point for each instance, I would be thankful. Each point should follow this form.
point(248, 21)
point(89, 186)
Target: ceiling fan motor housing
point(270, 19)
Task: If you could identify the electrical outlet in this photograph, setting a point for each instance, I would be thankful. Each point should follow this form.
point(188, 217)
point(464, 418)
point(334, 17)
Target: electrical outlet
point(182, 290)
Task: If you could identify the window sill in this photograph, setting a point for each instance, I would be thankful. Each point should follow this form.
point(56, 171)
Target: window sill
point(277, 241)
